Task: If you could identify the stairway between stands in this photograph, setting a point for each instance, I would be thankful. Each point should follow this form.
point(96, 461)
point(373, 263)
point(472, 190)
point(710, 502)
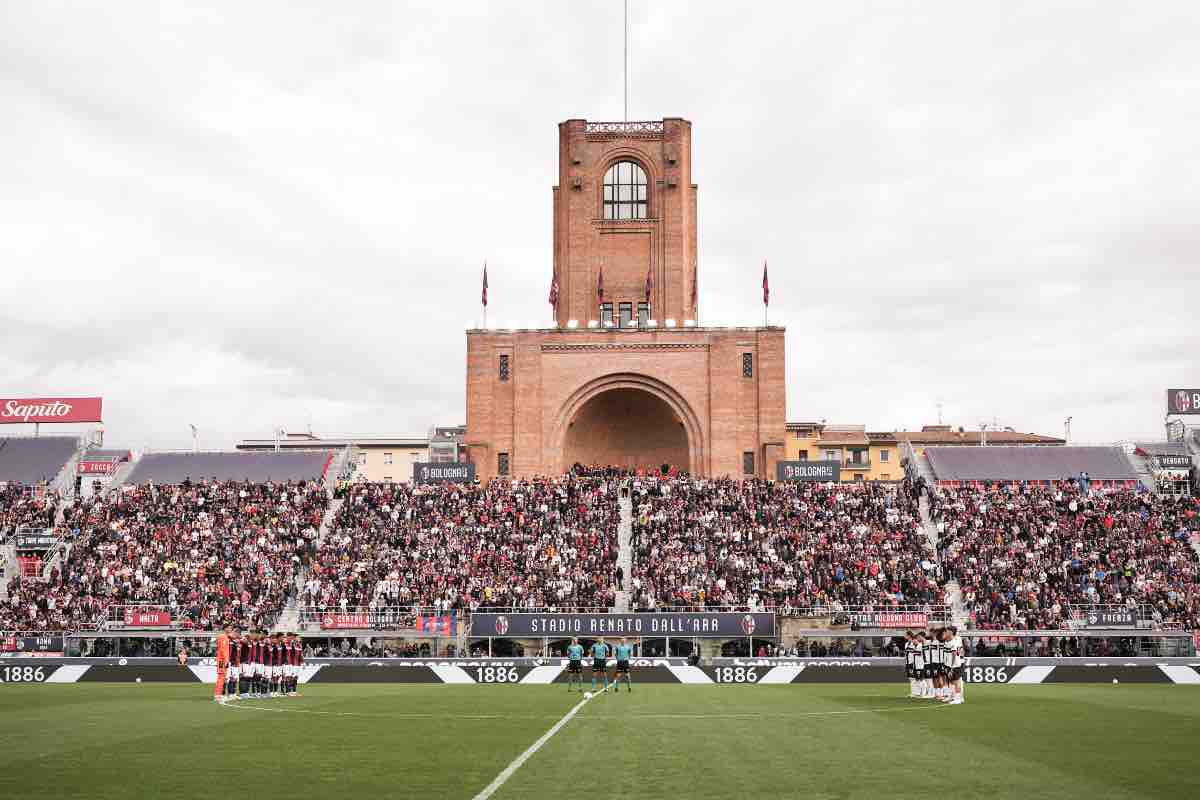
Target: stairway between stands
point(289, 617)
point(954, 598)
point(625, 553)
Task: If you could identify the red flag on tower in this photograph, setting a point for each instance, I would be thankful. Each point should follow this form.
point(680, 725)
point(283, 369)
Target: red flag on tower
point(484, 284)
point(554, 290)
point(695, 283)
point(600, 285)
point(649, 283)
point(766, 285)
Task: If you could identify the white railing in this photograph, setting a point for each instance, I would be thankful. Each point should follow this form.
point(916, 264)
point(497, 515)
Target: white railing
point(649, 126)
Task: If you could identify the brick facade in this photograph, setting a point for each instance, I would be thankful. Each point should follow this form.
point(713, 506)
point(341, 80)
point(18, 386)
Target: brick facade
point(663, 244)
point(636, 397)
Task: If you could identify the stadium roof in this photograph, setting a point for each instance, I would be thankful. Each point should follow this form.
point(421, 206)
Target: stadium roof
point(294, 441)
point(1029, 463)
point(170, 468)
point(928, 435)
point(30, 460)
point(945, 435)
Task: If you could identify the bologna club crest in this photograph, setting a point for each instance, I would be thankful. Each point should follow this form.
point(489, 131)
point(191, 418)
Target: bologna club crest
point(1183, 401)
point(501, 625)
point(748, 624)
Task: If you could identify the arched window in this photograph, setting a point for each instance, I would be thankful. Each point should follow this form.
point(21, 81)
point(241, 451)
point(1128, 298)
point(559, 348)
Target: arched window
point(625, 191)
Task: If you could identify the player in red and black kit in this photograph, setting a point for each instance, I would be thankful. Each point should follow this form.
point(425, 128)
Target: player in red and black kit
point(260, 665)
point(235, 663)
point(277, 661)
point(271, 662)
point(246, 672)
point(295, 657)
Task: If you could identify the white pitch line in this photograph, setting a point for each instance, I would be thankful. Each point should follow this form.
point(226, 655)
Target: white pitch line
point(769, 716)
point(601, 716)
point(240, 706)
point(508, 771)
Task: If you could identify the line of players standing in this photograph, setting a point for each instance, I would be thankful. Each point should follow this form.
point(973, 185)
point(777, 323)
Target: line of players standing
point(258, 665)
point(934, 664)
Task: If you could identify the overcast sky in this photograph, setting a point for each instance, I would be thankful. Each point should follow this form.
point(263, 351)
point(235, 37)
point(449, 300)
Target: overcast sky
point(276, 213)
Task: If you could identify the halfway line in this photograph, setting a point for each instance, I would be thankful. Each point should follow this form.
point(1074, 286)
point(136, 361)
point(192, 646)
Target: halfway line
point(508, 771)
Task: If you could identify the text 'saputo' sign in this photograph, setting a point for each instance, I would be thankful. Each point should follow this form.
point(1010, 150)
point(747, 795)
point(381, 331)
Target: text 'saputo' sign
point(354, 621)
point(454, 472)
point(1183, 401)
point(808, 471)
point(22, 410)
point(709, 624)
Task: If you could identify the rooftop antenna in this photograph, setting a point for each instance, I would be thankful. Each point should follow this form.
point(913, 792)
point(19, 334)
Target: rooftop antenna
point(627, 60)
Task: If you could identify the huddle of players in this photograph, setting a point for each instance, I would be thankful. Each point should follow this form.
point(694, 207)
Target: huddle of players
point(934, 663)
point(600, 653)
point(261, 665)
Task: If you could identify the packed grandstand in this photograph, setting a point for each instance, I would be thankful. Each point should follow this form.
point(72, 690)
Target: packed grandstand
point(210, 539)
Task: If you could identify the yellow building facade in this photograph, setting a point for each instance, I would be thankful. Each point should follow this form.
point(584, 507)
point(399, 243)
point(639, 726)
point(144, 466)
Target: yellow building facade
point(864, 455)
point(877, 455)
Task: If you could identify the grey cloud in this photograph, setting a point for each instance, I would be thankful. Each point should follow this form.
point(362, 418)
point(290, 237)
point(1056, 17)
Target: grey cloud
point(989, 205)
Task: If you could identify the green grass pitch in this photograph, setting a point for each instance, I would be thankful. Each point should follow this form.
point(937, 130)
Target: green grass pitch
point(672, 741)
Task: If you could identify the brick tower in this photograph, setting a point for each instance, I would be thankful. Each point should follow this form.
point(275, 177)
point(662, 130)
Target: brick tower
point(626, 377)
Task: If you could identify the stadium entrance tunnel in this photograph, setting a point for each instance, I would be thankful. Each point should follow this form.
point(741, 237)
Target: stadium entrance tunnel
point(630, 427)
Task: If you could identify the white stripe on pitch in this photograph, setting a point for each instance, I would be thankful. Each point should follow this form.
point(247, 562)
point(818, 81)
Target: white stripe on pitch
point(67, 673)
point(451, 674)
point(542, 674)
point(783, 673)
point(1031, 674)
point(1180, 674)
point(307, 671)
point(204, 674)
point(690, 674)
point(508, 771)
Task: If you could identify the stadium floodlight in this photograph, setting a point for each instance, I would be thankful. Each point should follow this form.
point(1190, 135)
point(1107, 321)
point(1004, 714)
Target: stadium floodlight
point(651, 323)
point(689, 323)
point(572, 324)
point(593, 323)
point(670, 322)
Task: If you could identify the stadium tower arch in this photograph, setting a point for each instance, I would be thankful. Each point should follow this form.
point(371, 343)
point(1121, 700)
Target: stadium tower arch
point(626, 374)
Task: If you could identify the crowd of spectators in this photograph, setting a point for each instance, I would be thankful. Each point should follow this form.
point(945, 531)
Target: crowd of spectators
point(1023, 555)
point(216, 552)
point(209, 553)
point(26, 507)
point(704, 543)
point(539, 543)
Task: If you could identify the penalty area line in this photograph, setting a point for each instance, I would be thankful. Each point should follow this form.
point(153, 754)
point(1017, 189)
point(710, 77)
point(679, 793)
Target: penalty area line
point(508, 771)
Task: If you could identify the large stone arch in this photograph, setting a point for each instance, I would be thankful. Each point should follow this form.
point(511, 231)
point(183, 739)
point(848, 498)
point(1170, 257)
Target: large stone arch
point(658, 390)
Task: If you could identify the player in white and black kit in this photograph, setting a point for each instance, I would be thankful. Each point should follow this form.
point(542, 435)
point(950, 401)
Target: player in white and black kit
point(919, 664)
point(910, 651)
point(936, 664)
point(953, 647)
